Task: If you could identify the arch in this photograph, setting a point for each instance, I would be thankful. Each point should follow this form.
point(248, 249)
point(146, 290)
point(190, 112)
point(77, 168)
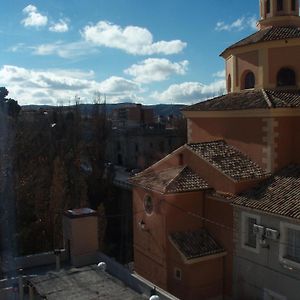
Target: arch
point(229, 83)
point(279, 5)
point(286, 77)
point(248, 80)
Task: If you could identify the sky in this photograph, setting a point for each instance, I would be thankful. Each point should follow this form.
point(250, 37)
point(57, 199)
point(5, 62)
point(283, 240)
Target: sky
point(150, 52)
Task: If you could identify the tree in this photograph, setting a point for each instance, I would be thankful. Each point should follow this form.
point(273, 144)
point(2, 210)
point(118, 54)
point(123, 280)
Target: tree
point(8, 106)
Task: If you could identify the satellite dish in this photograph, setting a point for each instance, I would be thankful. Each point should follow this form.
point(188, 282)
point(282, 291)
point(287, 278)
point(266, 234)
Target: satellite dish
point(154, 297)
point(102, 266)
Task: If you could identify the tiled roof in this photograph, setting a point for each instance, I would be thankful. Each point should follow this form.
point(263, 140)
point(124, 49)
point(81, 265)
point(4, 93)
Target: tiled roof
point(279, 195)
point(228, 160)
point(250, 99)
point(268, 34)
point(195, 244)
point(171, 180)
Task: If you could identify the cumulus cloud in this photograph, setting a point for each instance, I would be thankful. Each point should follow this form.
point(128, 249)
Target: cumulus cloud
point(156, 69)
point(219, 74)
point(50, 86)
point(237, 25)
point(190, 92)
point(65, 50)
point(60, 26)
point(33, 18)
point(131, 39)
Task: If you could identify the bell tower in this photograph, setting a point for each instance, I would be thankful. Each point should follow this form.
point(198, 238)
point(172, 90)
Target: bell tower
point(279, 13)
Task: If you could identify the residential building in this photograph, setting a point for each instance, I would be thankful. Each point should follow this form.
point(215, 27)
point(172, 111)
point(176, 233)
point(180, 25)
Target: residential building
point(267, 238)
point(137, 148)
point(132, 115)
point(197, 211)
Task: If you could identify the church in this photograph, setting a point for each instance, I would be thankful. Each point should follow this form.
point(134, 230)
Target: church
point(219, 218)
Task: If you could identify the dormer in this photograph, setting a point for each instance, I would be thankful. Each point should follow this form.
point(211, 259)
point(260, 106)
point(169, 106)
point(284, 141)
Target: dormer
point(279, 13)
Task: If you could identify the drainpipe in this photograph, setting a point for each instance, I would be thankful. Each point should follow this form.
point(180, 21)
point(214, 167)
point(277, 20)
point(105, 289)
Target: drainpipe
point(57, 259)
point(31, 291)
point(21, 290)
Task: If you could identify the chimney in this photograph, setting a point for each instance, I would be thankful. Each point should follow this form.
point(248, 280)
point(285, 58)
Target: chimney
point(80, 230)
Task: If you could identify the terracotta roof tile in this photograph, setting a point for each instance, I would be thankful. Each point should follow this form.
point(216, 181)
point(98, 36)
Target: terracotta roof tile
point(195, 244)
point(171, 180)
point(280, 194)
point(268, 34)
point(228, 160)
point(250, 99)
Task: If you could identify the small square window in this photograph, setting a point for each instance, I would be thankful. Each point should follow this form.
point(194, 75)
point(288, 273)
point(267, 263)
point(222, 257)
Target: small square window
point(177, 274)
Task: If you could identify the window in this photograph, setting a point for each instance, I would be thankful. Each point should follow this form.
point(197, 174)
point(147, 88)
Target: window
point(180, 160)
point(229, 83)
point(293, 5)
point(251, 237)
point(177, 274)
point(249, 81)
point(279, 5)
point(289, 252)
point(148, 204)
point(248, 237)
point(286, 77)
point(161, 146)
point(268, 6)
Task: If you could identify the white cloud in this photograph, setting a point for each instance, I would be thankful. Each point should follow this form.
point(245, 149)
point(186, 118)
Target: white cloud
point(50, 86)
point(156, 69)
point(33, 18)
point(190, 92)
point(237, 25)
point(219, 74)
point(65, 50)
point(117, 85)
point(60, 26)
point(131, 39)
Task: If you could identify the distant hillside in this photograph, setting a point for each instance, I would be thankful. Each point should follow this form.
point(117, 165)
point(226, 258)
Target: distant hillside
point(159, 109)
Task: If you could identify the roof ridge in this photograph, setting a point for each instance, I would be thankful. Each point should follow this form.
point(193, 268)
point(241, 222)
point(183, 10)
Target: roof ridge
point(173, 179)
point(219, 140)
point(267, 98)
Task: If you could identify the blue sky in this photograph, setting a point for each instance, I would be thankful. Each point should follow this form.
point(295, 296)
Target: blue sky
point(158, 51)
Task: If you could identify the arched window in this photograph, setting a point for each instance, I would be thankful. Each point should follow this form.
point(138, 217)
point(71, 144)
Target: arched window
point(279, 5)
point(249, 82)
point(268, 6)
point(293, 4)
point(286, 77)
point(229, 83)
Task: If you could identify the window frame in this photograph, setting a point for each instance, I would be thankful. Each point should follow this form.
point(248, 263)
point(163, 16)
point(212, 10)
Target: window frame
point(284, 226)
point(244, 233)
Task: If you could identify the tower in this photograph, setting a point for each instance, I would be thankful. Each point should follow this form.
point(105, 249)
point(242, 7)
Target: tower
point(279, 13)
point(269, 58)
